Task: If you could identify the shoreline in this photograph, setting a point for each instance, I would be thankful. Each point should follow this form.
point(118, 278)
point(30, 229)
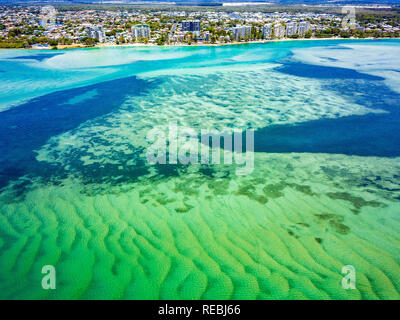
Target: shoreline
point(132, 45)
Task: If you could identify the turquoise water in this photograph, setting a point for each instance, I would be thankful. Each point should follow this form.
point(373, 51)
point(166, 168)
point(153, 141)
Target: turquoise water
point(77, 192)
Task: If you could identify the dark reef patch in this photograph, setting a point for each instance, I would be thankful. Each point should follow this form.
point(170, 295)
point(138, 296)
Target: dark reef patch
point(274, 190)
point(357, 202)
point(335, 222)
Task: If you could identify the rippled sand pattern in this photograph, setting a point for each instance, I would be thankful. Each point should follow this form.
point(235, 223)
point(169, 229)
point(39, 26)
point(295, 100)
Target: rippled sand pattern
point(265, 236)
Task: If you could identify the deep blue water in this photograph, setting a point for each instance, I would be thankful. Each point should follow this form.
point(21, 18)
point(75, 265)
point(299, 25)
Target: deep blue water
point(27, 127)
point(373, 134)
point(322, 72)
point(37, 57)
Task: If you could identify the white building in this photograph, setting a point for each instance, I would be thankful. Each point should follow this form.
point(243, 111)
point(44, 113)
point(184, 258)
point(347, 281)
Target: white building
point(279, 31)
point(241, 32)
point(267, 31)
point(291, 29)
point(141, 31)
point(304, 26)
point(96, 32)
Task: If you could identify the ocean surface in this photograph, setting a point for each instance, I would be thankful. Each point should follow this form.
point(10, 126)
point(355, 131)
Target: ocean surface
point(77, 192)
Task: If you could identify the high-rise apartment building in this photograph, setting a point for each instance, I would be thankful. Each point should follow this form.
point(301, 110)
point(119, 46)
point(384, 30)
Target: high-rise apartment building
point(279, 31)
point(241, 32)
point(141, 31)
point(304, 26)
point(96, 32)
point(192, 26)
point(291, 29)
point(267, 31)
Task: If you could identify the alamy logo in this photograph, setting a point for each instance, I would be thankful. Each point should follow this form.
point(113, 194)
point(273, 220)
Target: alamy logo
point(49, 280)
point(349, 280)
point(349, 20)
point(181, 144)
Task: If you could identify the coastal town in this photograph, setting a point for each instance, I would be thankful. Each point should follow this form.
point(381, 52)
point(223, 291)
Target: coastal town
point(36, 26)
